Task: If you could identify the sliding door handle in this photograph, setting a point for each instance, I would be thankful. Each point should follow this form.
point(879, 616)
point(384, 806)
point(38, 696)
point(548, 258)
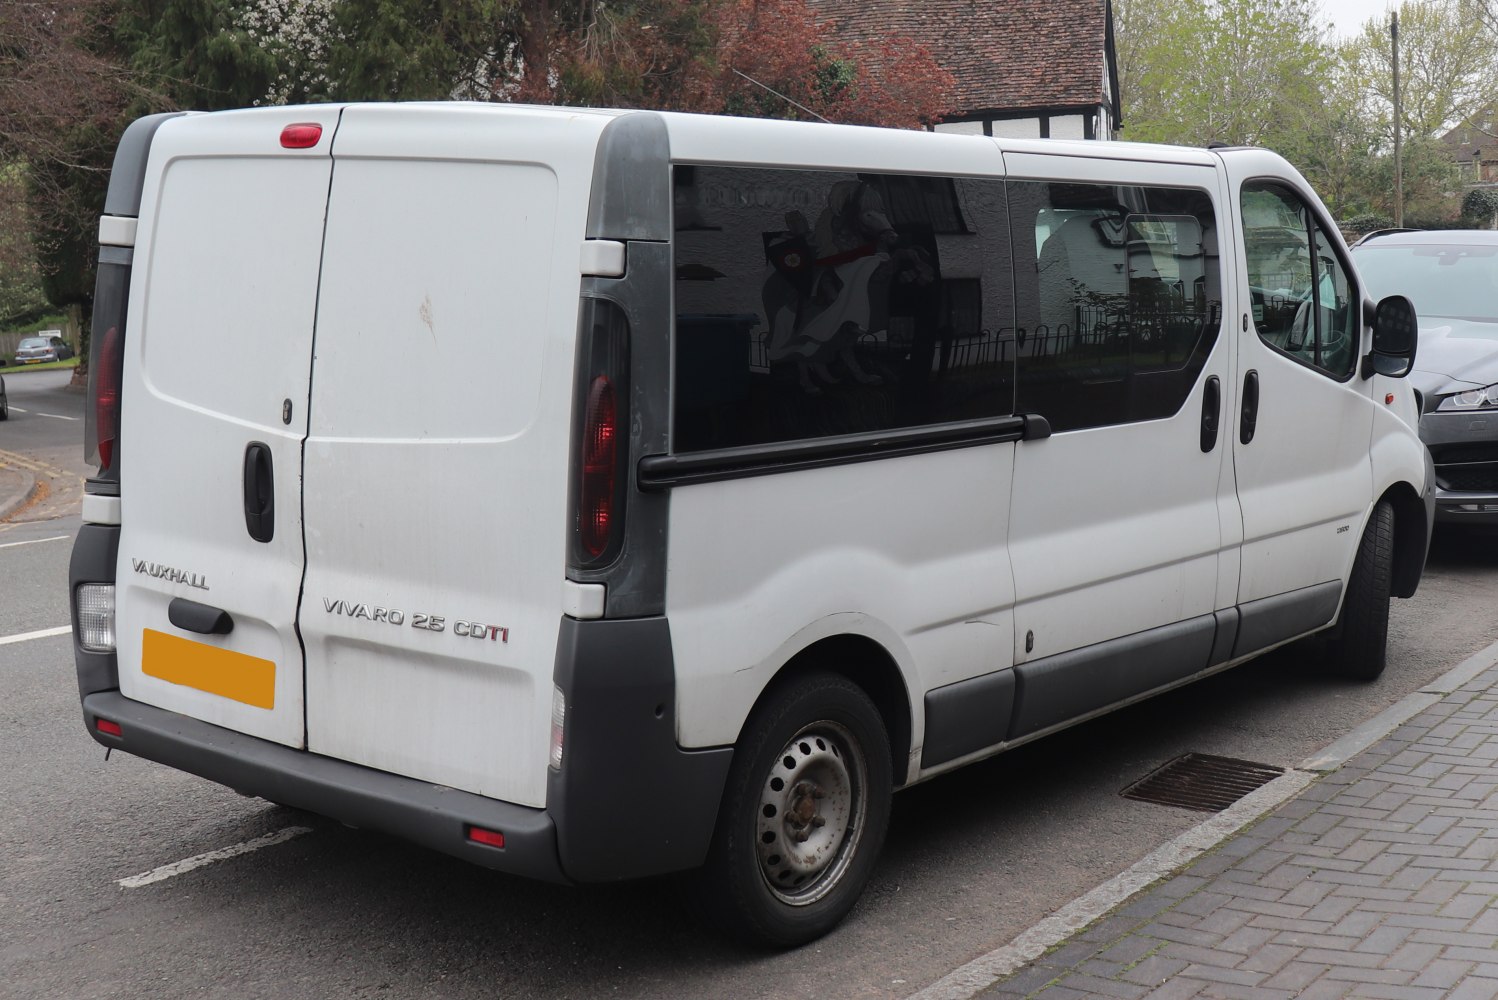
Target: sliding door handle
point(1211, 412)
point(1248, 420)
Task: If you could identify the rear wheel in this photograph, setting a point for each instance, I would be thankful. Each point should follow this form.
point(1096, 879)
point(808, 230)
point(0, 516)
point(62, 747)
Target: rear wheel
point(803, 816)
point(1358, 646)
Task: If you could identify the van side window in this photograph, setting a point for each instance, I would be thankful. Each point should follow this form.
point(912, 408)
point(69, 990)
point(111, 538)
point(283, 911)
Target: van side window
point(1302, 300)
point(815, 303)
point(1118, 294)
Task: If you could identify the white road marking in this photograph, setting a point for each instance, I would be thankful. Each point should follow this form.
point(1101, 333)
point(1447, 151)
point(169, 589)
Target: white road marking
point(43, 634)
point(17, 409)
point(33, 541)
point(54, 416)
point(187, 865)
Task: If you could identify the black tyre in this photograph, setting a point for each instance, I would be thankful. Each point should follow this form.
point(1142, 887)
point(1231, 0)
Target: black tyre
point(803, 816)
point(1358, 644)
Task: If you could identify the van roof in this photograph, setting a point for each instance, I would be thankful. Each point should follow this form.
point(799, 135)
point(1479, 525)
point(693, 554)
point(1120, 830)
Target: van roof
point(755, 140)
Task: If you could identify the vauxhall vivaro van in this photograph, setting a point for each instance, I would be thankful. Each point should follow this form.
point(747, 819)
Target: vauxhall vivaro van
point(601, 494)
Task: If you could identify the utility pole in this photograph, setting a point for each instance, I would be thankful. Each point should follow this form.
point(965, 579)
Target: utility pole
point(1398, 128)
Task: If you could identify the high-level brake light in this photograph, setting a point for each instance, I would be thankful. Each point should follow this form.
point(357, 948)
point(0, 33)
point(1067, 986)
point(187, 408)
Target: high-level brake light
point(303, 135)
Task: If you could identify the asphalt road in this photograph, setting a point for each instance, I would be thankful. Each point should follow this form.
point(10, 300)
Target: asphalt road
point(45, 436)
point(972, 859)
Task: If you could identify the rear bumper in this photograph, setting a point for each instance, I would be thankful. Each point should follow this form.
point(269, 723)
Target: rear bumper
point(628, 802)
point(427, 814)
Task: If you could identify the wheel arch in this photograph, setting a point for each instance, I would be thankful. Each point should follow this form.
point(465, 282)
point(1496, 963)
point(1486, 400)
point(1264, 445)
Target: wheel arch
point(1411, 538)
point(867, 664)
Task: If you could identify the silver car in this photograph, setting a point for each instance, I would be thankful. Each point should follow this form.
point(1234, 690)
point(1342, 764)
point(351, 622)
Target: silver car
point(38, 350)
point(1452, 278)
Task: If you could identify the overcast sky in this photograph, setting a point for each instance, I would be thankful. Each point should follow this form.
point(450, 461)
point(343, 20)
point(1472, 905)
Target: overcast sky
point(1349, 15)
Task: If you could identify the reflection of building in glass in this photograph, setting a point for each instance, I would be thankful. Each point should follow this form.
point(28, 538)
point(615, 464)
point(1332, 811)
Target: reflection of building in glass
point(872, 300)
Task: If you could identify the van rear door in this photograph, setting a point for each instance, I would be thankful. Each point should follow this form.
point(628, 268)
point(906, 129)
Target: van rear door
point(216, 366)
point(437, 455)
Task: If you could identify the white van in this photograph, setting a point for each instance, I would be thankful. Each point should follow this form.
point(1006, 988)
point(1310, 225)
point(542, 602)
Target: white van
point(599, 494)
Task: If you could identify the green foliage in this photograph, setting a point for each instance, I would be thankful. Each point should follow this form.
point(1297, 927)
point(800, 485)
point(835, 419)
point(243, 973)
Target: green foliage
point(1258, 72)
point(1431, 182)
point(1237, 71)
point(422, 50)
point(193, 54)
point(1480, 207)
point(21, 294)
point(1448, 67)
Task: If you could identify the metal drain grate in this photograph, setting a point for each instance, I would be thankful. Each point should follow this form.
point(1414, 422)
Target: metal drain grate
point(1201, 781)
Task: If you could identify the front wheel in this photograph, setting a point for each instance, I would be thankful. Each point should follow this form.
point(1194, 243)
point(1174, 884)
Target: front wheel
point(803, 815)
point(1358, 646)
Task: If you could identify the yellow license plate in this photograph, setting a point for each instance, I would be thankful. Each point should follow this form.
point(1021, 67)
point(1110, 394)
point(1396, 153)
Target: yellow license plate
point(197, 665)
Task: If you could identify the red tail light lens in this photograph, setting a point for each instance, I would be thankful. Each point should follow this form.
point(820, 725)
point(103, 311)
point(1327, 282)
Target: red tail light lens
point(303, 135)
point(107, 397)
point(600, 464)
point(489, 838)
point(108, 728)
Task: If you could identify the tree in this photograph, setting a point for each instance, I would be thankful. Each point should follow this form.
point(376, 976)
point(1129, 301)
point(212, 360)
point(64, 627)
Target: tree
point(668, 54)
point(21, 296)
point(1448, 65)
point(62, 98)
point(1238, 71)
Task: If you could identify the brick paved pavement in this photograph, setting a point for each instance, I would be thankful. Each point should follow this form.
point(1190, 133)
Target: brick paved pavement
point(1378, 880)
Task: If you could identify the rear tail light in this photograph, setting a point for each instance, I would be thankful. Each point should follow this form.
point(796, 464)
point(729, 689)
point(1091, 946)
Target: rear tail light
point(108, 727)
point(94, 612)
point(101, 433)
point(600, 462)
point(602, 442)
point(107, 397)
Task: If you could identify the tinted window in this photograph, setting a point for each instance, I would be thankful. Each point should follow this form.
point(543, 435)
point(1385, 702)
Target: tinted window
point(818, 303)
point(1302, 300)
point(1119, 299)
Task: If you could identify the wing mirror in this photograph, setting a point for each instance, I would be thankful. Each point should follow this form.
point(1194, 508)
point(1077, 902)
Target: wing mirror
point(1395, 338)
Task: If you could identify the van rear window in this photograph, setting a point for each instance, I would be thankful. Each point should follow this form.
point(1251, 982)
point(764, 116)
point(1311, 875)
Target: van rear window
point(813, 303)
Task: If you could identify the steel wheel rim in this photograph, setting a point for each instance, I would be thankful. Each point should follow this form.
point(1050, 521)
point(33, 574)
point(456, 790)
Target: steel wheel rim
point(811, 812)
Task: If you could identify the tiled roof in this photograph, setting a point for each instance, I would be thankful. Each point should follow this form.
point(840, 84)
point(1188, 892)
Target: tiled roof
point(1004, 54)
point(1470, 137)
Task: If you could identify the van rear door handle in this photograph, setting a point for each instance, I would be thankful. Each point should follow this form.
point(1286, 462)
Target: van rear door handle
point(190, 616)
point(1211, 411)
point(259, 492)
point(1248, 420)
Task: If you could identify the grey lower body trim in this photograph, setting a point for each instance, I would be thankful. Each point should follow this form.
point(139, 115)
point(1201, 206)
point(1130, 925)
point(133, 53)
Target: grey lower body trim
point(419, 811)
point(1272, 620)
point(967, 716)
point(628, 801)
point(1228, 620)
point(1060, 688)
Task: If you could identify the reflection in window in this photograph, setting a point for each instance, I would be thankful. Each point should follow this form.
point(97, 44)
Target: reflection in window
point(1302, 301)
point(1121, 303)
point(816, 303)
